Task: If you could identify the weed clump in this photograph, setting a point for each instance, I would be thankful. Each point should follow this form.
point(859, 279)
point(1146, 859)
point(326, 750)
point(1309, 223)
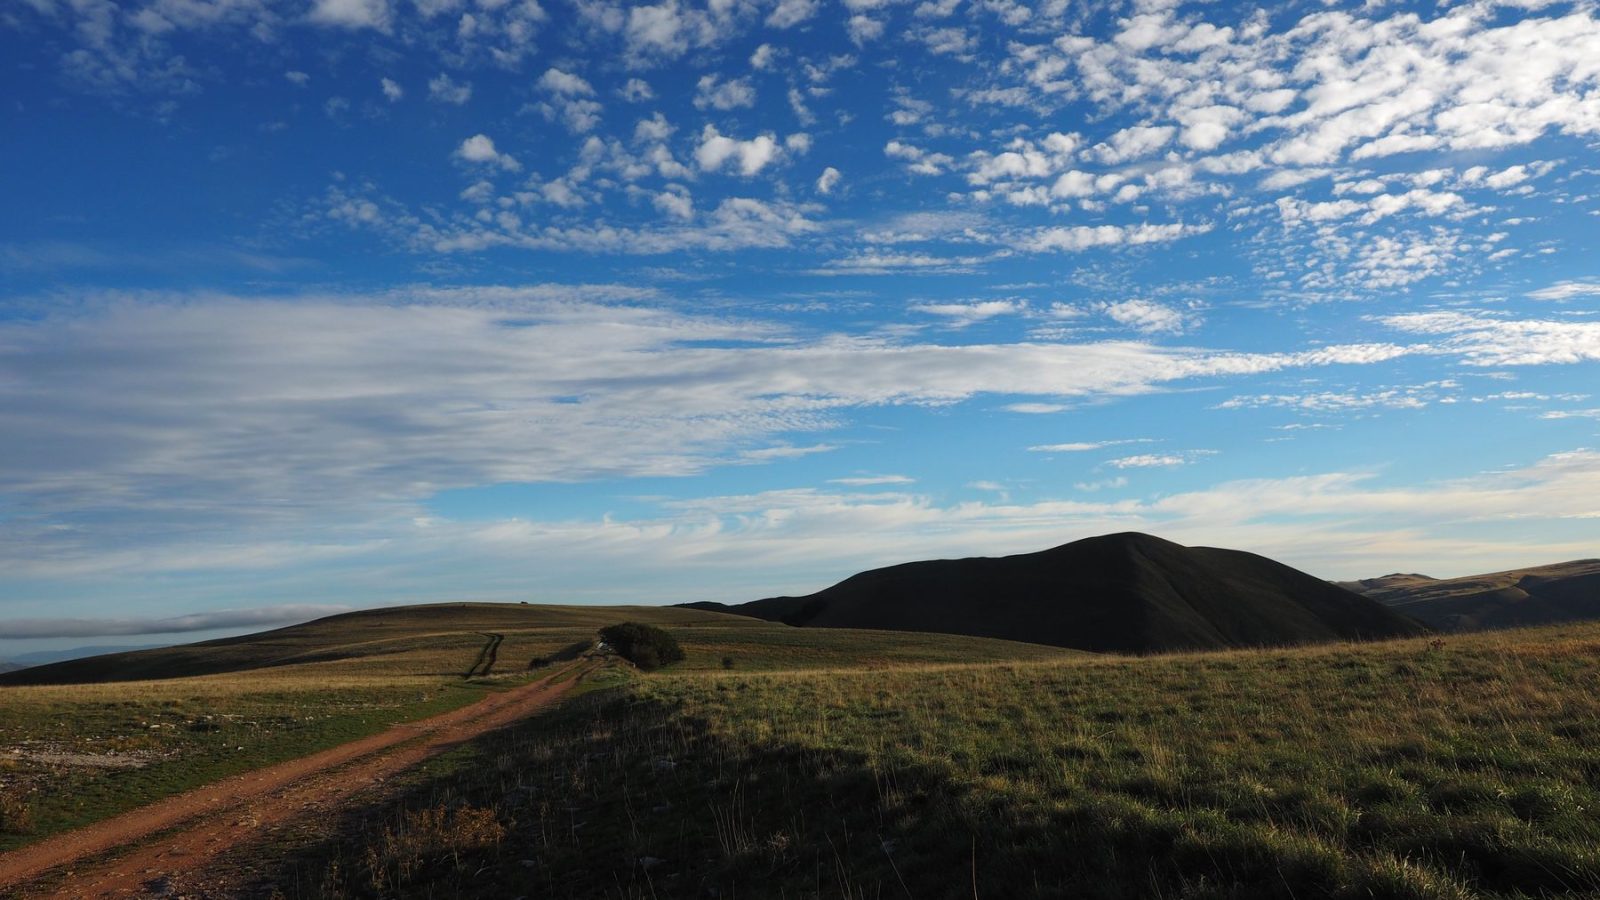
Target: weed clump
point(425, 836)
point(646, 646)
point(15, 815)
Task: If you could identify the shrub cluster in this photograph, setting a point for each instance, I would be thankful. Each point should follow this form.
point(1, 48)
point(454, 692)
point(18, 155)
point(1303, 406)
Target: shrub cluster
point(646, 646)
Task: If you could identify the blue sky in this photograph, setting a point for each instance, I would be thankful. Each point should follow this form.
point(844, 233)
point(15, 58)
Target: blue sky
point(349, 302)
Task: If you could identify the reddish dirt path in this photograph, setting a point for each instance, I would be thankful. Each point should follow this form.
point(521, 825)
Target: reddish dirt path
point(220, 816)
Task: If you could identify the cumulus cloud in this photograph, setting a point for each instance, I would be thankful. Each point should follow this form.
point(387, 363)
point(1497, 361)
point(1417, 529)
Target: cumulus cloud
point(570, 100)
point(637, 90)
point(1072, 238)
point(480, 149)
point(828, 180)
point(392, 91)
point(444, 89)
point(748, 156)
point(351, 13)
point(789, 13)
point(564, 84)
point(711, 92)
point(917, 160)
point(864, 29)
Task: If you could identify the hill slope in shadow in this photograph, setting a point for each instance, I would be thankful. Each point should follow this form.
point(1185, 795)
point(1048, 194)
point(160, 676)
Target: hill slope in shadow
point(1540, 595)
point(1129, 593)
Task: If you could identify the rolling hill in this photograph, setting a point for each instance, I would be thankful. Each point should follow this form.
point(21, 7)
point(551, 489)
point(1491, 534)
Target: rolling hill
point(1129, 592)
point(1540, 595)
point(365, 635)
point(466, 639)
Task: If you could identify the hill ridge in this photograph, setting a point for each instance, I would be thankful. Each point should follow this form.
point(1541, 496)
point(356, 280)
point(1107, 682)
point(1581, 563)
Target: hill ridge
point(1121, 592)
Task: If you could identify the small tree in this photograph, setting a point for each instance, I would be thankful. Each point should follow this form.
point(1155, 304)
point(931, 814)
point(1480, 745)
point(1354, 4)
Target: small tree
point(646, 646)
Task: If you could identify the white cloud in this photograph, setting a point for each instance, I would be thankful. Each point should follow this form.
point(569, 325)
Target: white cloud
point(1413, 397)
point(1480, 340)
point(351, 13)
point(750, 156)
point(864, 29)
point(1036, 409)
point(569, 100)
point(1566, 290)
point(480, 149)
point(1073, 238)
point(565, 84)
point(1149, 461)
point(1148, 316)
point(789, 13)
point(918, 161)
point(713, 93)
point(1133, 143)
point(1084, 446)
point(391, 89)
point(666, 30)
point(267, 415)
point(637, 90)
point(828, 180)
point(960, 315)
point(675, 202)
point(871, 480)
point(445, 89)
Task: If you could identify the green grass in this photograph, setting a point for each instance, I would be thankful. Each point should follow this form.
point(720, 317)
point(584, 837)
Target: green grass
point(1383, 770)
point(61, 748)
point(308, 688)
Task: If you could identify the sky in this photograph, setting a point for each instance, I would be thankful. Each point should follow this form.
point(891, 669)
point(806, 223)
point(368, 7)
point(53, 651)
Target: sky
point(332, 304)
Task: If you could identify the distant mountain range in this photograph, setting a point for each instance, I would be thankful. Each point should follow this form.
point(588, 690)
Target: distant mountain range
point(1129, 593)
point(45, 657)
point(1540, 595)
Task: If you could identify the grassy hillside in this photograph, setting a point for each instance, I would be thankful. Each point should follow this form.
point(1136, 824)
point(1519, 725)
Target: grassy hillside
point(1396, 769)
point(423, 639)
point(1539, 595)
point(1126, 593)
point(74, 752)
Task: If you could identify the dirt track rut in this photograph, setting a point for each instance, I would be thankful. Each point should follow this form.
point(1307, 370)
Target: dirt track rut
point(181, 834)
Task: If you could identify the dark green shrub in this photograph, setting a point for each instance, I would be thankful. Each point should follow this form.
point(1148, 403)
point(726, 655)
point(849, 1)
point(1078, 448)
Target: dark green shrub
point(646, 646)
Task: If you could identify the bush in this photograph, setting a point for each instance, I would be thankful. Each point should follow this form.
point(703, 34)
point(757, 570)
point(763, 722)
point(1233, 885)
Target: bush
point(646, 646)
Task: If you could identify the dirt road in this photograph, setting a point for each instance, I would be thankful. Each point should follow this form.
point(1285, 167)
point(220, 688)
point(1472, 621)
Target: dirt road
point(180, 834)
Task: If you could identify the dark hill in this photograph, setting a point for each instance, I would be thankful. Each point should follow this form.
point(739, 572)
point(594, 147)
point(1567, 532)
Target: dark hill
point(1542, 595)
point(1129, 593)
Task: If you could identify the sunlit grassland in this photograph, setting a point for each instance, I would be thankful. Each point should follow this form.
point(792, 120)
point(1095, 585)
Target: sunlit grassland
point(78, 753)
point(1382, 770)
point(75, 753)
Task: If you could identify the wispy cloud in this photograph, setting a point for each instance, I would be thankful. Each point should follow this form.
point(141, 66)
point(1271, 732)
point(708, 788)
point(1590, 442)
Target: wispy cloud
point(13, 629)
